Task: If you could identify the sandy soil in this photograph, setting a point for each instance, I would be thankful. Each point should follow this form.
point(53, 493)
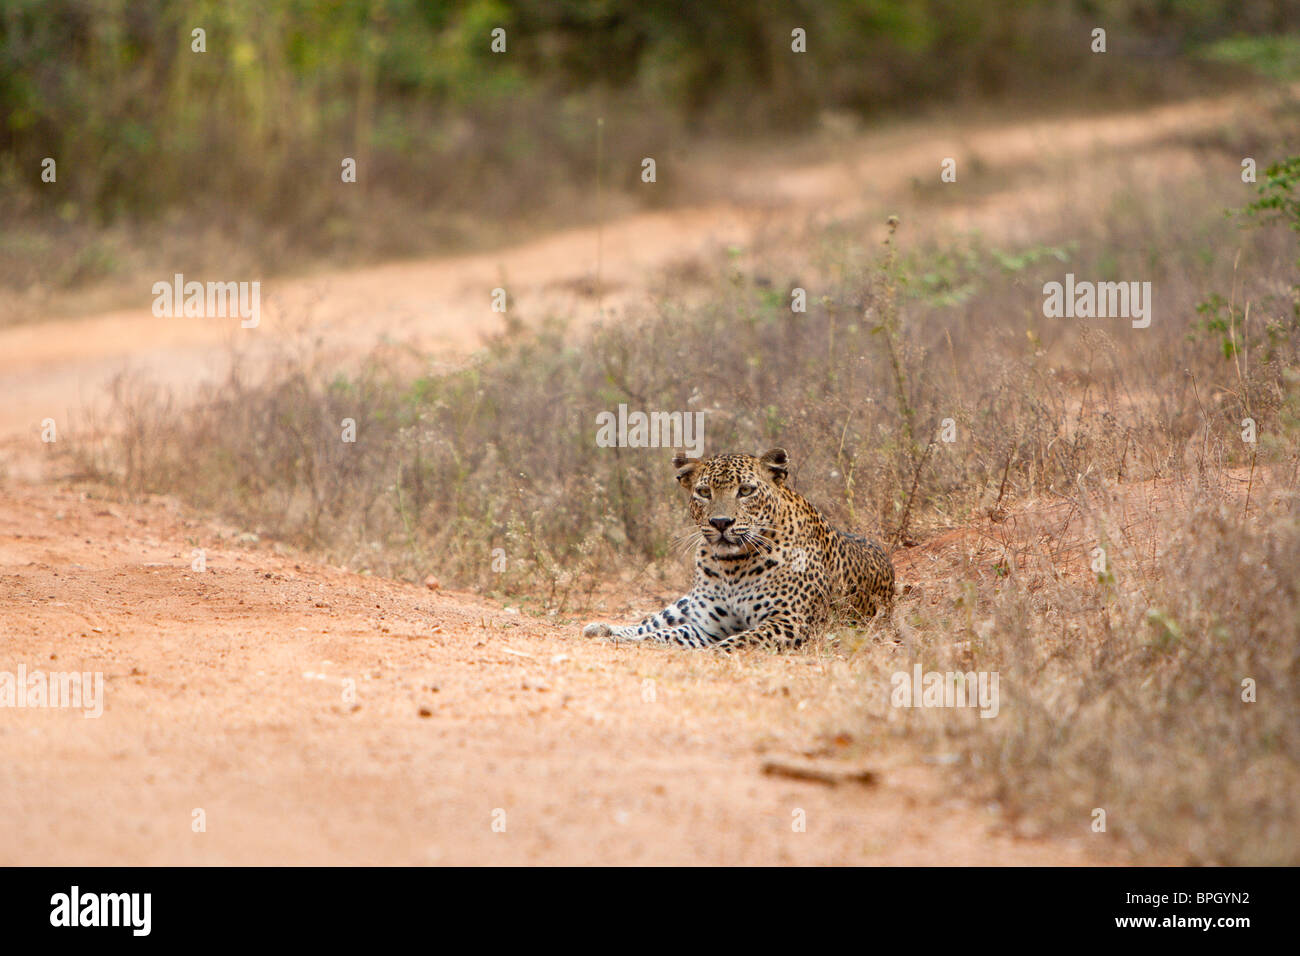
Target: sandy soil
point(224, 691)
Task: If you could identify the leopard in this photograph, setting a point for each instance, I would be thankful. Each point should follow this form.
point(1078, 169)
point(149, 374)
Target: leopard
point(770, 569)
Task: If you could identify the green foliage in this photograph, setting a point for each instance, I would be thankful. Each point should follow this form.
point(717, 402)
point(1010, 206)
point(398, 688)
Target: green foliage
point(1278, 204)
point(1220, 318)
point(950, 275)
point(1273, 56)
point(1279, 200)
point(140, 123)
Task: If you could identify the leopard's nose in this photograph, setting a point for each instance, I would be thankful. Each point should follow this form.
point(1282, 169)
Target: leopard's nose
point(722, 524)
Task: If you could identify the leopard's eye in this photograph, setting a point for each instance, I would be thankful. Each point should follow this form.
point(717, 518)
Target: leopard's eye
point(703, 491)
point(744, 491)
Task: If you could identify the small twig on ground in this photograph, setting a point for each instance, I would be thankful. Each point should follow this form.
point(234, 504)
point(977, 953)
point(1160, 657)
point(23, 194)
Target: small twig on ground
point(777, 768)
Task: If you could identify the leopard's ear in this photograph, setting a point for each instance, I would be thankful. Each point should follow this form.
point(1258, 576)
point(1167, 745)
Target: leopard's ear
point(777, 463)
point(686, 468)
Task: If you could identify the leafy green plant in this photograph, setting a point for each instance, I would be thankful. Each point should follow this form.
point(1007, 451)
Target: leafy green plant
point(1278, 204)
point(1278, 200)
point(1277, 56)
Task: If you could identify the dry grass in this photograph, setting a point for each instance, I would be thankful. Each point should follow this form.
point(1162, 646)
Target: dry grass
point(1122, 690)
point(447, 467)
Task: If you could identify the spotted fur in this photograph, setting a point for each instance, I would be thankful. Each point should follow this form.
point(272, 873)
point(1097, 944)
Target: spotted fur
point(769, 568)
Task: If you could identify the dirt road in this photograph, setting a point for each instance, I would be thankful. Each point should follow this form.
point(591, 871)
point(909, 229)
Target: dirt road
point(55, 369)
point(224, 694)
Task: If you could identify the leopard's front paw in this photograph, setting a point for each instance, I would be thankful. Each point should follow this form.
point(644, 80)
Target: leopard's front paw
point(597, 630)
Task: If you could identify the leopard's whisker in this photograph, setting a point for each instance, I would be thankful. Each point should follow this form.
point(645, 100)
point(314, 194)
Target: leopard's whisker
point(763, 542)
point(684, 544)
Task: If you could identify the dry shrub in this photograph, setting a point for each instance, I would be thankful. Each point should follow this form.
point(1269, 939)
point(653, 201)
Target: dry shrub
point(1123, 690)
point(447, 467)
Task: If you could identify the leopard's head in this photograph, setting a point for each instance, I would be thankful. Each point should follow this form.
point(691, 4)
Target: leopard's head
point(735, 499)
